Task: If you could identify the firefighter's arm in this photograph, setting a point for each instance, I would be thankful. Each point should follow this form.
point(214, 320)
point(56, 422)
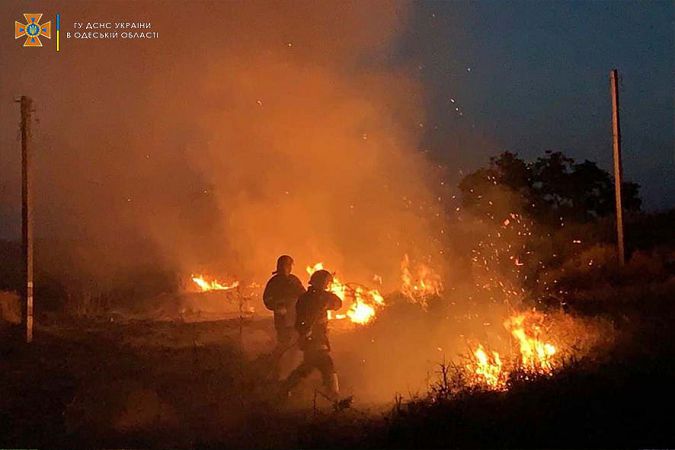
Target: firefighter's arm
point(298, 288)
point(302, 319)
point(334, 302)
point(268, 296)
point(302, 327)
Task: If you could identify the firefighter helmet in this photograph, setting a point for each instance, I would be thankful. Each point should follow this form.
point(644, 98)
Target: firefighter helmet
point(321, 279)
point(283, 261)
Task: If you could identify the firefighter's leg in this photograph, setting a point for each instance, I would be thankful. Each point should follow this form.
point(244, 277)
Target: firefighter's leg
point(328, 374)
point(299, 373)
point(285, 340)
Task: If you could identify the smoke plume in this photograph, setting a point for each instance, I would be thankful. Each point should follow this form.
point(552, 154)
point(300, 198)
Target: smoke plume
point(245, 131)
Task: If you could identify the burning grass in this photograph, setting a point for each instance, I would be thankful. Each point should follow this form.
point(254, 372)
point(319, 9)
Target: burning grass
point(533, 354)
point(419, 282)
point(360, 302)
point(538, 343)
point(201, 391)
point(212, 285)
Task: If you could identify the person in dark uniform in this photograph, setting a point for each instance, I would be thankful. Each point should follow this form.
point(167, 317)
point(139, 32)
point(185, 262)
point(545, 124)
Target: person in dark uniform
point(311, 324)
point(280, 295)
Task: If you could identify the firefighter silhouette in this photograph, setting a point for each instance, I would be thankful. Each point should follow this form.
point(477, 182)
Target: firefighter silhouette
point(311, 324)
point(280, 295)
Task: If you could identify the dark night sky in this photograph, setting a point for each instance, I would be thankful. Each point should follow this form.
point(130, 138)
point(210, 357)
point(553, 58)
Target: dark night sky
point(529, 77)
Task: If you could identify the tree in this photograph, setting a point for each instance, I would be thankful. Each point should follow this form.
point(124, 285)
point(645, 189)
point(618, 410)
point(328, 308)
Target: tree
point(551, 187)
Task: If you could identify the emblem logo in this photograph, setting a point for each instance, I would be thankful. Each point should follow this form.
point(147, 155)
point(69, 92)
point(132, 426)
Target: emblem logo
point(33, 30)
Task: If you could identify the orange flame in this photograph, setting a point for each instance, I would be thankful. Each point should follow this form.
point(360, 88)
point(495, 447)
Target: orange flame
point(364, 302)
point(213, 285)
point(421, 285)
point(534, 355)
point(488, 369)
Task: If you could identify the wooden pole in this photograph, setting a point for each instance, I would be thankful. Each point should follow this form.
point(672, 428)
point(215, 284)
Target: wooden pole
point(27, 213)
point(616, 140)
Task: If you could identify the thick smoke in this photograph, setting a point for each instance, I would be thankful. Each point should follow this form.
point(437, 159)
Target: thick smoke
point(247, 130)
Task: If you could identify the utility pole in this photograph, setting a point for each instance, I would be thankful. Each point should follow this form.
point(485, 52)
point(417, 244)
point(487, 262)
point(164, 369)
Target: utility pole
point(616, 141)
point(27, 214)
